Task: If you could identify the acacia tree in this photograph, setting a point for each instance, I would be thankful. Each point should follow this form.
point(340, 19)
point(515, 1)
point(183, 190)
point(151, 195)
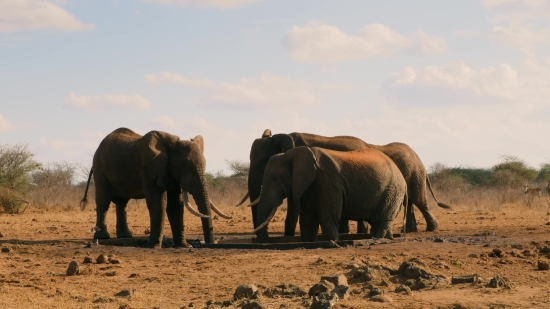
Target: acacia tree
point(16, 165)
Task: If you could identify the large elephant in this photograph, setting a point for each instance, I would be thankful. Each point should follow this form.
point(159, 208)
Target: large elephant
point(328, 186)
point(157, 167)
point(403, 156)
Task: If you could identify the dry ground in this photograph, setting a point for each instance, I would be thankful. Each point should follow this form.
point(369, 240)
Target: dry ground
point(32, 274)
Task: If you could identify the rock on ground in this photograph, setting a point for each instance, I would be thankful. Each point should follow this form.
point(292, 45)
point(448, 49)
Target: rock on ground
point(72, 269)
point(245, 291)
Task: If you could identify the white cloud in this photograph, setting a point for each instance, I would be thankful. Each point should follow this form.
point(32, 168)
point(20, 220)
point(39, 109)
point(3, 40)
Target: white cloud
point(218, 4)
point(5, 125)
point(318, 42)
point(174, 78)
point(522, 36)
point(526, 88)
point(269, 91)
point(24, 15)
point(107, 102)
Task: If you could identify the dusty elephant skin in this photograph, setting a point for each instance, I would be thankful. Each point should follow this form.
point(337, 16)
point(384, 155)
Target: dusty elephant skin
point(157, 167)
point(328, 185)
point(404, 157)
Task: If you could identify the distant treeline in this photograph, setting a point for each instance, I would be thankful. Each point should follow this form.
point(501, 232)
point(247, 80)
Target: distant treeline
point(511, 172)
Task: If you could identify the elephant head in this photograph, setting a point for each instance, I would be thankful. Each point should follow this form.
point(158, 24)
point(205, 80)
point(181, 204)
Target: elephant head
point(262, 149)
point(170, 162)
point(286, 175)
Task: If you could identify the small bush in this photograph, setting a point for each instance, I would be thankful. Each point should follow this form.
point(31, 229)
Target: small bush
point(12, 201)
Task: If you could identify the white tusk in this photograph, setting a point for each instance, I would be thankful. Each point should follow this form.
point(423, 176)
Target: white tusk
point(219, 212)
point(243, 200)
point(266, 222)
point(255, 202)
point(190, 208)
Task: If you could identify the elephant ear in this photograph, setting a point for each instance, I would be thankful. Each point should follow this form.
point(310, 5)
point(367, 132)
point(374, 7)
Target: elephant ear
point(153, 149)
point(284, 142)
point(267, 133)
point(304, 168)
point(199, 140)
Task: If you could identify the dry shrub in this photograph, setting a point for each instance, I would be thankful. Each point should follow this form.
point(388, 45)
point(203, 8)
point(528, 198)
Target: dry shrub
point(12, 201)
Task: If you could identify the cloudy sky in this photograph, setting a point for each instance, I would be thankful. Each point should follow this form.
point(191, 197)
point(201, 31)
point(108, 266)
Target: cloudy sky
point(462, 82)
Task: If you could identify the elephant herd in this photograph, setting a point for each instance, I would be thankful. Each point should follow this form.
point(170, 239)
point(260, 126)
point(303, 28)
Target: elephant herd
point(327, 181)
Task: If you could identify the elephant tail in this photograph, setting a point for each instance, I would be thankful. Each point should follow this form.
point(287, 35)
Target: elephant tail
point(84, 200)
point(442, 205)
point(405, 204)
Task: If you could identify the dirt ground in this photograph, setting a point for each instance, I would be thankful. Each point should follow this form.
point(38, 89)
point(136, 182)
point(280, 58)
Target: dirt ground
point(38, 245)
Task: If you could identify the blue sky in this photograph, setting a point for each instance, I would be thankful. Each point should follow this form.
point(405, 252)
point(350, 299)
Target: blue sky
point(462, 82)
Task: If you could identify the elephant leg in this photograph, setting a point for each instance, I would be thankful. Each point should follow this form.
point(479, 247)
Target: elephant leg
point(156, 202)
point(343, 227)
point(102, 201)
point(362, 227)
point(380, 230)
point(309, 227)
point(329, 228)
point(122, 230)
point(174, 211)
point(291, 220)
point(410, 222)
point(431, 221)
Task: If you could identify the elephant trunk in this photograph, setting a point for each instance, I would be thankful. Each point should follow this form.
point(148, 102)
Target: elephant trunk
point(203, 203)
point(255, 177)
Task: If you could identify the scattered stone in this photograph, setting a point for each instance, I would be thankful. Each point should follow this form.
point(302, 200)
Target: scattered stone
point(72, 269)
point(411, 270)
point(245, 291)
point(543, 265)
point(546, 249)
point(497, 252)
point(343, 291)
point(114, 260)
point(381, 298)
point(227, 303)
point(439, 239)
point(102, 259)
point(254, 304)
point(375, 292)
point(473, 255)
point(6, 249)
point(324, 300)
point(133, 275)
point(337, 280)
point(475, 278)
point(321, 287)
point(500, 281)
point(284, 290)
point(125, 293)
point(88, 260)
point(403, 288)
point(1, 235)
point(373, 273)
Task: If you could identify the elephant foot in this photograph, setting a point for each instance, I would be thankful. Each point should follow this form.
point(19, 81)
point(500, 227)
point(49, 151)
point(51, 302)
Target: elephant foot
point(102, 234)
point(124, 234)
point(155, 243)
point(182, 244)
point(432, 226)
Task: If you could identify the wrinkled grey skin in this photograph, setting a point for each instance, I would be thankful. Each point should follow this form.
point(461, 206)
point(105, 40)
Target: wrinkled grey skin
point(157, 167)
point(404, 157)
point(328, 186)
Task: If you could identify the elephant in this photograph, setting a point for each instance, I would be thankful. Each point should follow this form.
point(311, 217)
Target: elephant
point(328, 186)
point(403, 156)
point(157, 166)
